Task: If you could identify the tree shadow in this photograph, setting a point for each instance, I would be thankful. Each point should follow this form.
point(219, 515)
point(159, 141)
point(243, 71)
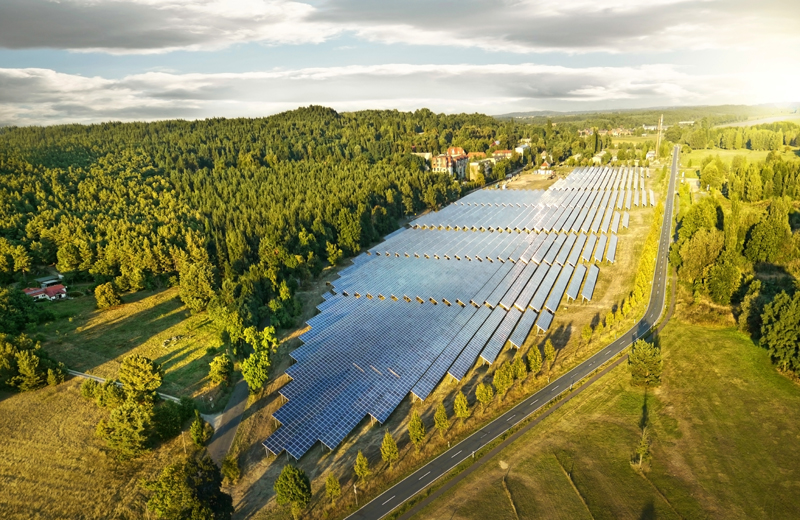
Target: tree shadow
point(649, 511)
point(645, 418)
point(561, 336)
point(84, 346)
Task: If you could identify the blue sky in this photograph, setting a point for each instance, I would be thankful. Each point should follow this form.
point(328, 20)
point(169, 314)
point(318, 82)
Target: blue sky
point(98, 60)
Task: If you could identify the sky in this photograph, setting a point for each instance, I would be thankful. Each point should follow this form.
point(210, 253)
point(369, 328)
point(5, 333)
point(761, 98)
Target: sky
point(86, 61)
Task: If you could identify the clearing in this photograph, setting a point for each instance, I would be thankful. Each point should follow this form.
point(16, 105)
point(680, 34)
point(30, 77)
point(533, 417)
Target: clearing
point(724, 444)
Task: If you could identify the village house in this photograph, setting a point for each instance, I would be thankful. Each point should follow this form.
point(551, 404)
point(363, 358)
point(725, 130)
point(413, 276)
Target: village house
point(51, 292)
point(502, 154)
point(480, 167)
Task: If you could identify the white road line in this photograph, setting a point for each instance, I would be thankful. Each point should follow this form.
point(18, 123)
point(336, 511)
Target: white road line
point(388, 500)
point(511, 417)
point(459, 451)
point(423, 476)
point(554, 388)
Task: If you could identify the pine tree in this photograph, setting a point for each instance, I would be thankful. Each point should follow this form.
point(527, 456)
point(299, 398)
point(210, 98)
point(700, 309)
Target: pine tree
point(220, 370)
point(255, 370)
point(441, 420)
point(106, 296)
point(416, 430)
point(140, 377)
point(534, 360)
point(549, 352)
point(293, 487)
point(389, 451)
point(126, 430)
point(333, 489)
point(361, 467)
point(519, 368)
point(461, 407)
point(189, 489)
point(644, 363)
point(200, 430)
point(484, 394)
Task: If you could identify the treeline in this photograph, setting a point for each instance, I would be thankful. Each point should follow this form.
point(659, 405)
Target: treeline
point(744, 253)
point(769, 137)
point(237, 212)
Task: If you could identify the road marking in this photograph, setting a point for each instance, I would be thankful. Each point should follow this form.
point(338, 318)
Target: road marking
point(511, 417)
point(484, 435)
point(423, 476)
point(388, 500)
point(554, 388)
point(459, 451)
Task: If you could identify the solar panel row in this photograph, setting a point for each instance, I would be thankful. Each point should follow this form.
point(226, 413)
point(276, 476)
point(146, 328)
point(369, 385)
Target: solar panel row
point(398, 320)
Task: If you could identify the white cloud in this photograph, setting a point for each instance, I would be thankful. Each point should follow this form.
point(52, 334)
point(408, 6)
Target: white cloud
point(617, 26)
point(42, 96)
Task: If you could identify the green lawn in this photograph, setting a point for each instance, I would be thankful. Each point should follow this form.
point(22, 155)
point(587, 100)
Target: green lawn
point(697, 156)
point(96, 341)
point(725, 444)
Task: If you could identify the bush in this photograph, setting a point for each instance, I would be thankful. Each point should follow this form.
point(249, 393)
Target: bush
point(200, 430)
point(230, 469)
point(89, 388)
point(106, 296)
point(167, 420)
point(109, 394)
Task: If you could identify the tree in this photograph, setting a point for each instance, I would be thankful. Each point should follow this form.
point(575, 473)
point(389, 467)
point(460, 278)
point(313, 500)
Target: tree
point(255, 370)
point(644, 363)
point(484, 394)
point(30, 374)
point(780, 331)
point(519, 368)
point(293, 487)
point(127, 429)
point(220, 370)
point(361, 467)
point(503, 379)
point(723, 278)
point(189, 490)
point(197, 283)
point(333, 489)
point(461, 407)
point(534, 360)
point(549, 352)
point(699, 253)
point(106, 296)
point(416, 430)
point(441, 420)
point(749, 312)
point(643, 449)
point(200, 430)
point(230, 468)
point(140, 377)
point(389, 451)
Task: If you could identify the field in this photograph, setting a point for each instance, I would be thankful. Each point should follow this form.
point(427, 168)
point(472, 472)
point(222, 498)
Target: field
point(724, 444)
point(53, 467)
point(697, 156)
point(154, 324)
point(253, 496)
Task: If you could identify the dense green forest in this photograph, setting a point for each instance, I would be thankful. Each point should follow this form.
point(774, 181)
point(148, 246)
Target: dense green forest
point(236, 211)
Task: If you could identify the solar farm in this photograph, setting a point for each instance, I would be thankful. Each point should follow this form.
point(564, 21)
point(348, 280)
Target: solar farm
point(448, 292)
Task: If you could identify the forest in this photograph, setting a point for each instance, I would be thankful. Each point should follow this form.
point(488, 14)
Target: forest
point(237, 212)
point(738, 243)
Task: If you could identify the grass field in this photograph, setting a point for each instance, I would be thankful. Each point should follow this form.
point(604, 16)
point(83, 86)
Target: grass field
point(724, 444)
point(154, 324)
point(53, 467)
point(697, 156)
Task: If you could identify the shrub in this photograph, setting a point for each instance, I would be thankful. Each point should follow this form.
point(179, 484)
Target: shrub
point(88, 388)
point(106, 296)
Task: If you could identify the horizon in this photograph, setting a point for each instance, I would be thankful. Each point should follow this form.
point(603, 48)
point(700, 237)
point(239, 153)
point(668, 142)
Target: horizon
point(134, 60)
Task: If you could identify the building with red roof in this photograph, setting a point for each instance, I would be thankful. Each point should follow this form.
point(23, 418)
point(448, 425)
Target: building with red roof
point(53, 292)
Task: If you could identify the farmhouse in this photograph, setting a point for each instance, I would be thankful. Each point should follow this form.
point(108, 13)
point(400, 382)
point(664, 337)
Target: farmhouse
point(51, 292)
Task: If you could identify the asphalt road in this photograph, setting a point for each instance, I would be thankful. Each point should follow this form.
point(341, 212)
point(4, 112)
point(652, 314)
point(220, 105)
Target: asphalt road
point(441, 465)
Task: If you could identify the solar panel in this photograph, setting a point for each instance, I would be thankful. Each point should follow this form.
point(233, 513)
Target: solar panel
point(558, 289)
point(523, 329)
point(615, 222)
point(652, 198)
point(575, 284)
point(541, 293)
point(591, 280)
point(625, 220)
point(601, 248)
point(500, 336)
point(611, 254)
point(545, 319)
point(417, 305)
point(591, 240)
point(628, 195)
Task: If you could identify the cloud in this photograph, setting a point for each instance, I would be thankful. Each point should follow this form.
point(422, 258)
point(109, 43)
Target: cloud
point(43, 96)
point(617, 26)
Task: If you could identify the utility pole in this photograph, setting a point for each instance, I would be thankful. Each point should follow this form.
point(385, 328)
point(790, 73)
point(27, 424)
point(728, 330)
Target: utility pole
point(658, 139)
point(355, 491)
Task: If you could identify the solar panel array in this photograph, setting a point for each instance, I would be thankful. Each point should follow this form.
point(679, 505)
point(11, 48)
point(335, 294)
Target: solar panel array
point(452, 289)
